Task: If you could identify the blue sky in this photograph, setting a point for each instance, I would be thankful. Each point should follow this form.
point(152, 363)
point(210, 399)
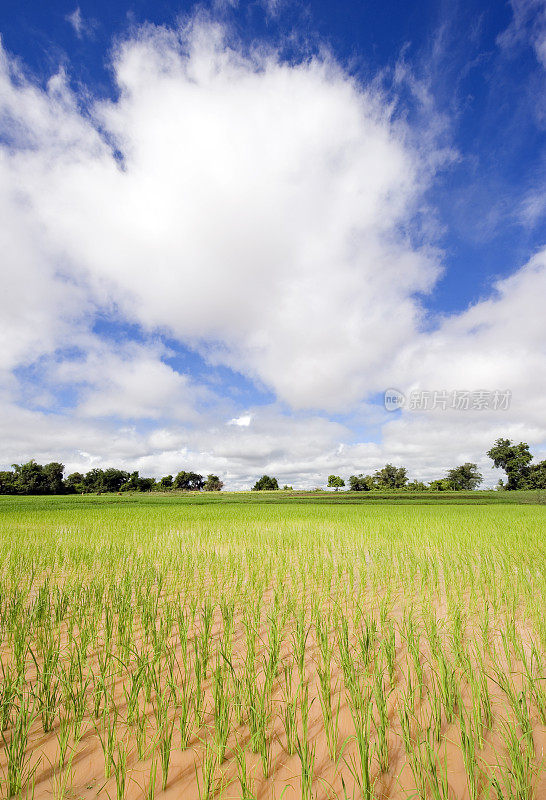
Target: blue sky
point(230, 227)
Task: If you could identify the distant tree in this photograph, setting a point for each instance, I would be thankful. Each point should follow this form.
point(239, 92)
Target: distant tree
point(135, 483)
point(514, 459)
point(440, 485)
point(112, 479)
point(166, 483)
point(335, 482)
point(146, 484)
point(391, 477)
point(53, 474)
point(93, 480)
point(287, 488)
point(213, 484)
point(265, 482)
point(416, 486)
point(537, 476)
point(190, 481)
point(8, 483)
point(361, 483)
point(74, 482)
point(464, 477)
point(30, 478)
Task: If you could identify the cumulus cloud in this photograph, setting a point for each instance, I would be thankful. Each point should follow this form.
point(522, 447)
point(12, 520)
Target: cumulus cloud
point(131, 382)
point(262, 211)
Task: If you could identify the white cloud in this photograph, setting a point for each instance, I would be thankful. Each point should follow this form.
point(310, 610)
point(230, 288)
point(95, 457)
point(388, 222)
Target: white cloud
point(243, 421)
point(129, 383)
point(528, 24)
point(82, 27)
point(264, 209)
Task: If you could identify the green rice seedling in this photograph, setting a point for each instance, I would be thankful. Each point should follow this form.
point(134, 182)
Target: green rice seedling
point(389, 651)
point(107, 737)
point(448, 686)
point(273, 648)
point(433, 635)
point(519, 782)
point(290, 704)
point(304, 749)
point(140, 734)
point(222, 709)
point(258, 719)
point(468, 747)
point(361, 712)
point(150, 789)
point(205, 787)
point(330, 715)
point(413, 752)
point(457, 635)
point(533, 674)
point(120, 770)
point(62, 779)
point(132, 694)
point(185, 702)
point(484, 623)
point(47, 680)
point(436, 776)
point(18, 770)
point(524, 720)
point(183, 624)
point(63, 737)
point(518, 702)
point(165, 736)
point(21, 636)
point(198, 697)
point(323, 639)
point(366, 639)
point(299, 638)
point(382, 724)
point(245, 779)
point(208, 614)
point(9, 690)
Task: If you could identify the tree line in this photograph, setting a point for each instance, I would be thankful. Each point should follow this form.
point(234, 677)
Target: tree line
point(514, 459)
point(33, 478)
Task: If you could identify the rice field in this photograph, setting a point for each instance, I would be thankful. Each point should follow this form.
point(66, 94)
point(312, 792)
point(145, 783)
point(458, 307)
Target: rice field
point(271, 650)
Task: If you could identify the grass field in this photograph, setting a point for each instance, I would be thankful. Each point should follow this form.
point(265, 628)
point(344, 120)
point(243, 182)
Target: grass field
point(287, 645)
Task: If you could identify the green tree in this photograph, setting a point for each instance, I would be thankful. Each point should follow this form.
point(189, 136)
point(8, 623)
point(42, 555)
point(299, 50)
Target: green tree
point(464, 477)
point(416, 486)
point(213, 484)
point(265, 483)
point(440, 485)
point(166, 483)
point(391, 477)
point(53, 473)
point(514, 459)
point(30, 478)
point(93, 480)
point(361, 483)
point(537, 476)
point(74, 482)
point(8, 484)
point(112, 479)
point(335, 482)
point(189, 481)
